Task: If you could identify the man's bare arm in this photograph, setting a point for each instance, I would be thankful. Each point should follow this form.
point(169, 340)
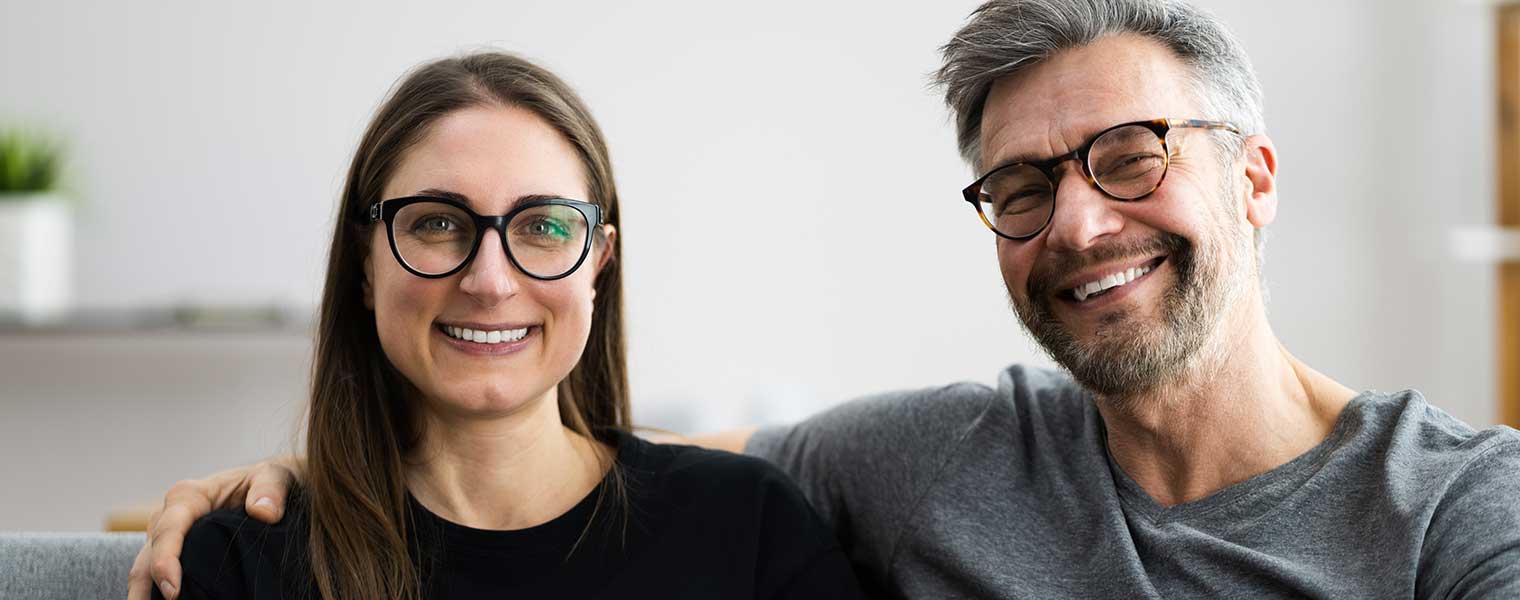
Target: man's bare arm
point(261, 489)
point(732, 440)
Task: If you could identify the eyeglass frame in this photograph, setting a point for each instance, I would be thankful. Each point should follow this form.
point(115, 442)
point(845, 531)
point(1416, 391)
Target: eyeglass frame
point(1160, 127)
point(386, 210)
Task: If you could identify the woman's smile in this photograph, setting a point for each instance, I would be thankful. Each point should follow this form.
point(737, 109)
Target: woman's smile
point(494, 341)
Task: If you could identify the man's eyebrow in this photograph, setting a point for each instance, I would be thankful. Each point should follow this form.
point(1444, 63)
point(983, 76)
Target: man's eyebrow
point(1018, 158)
point(1011, 160)
point(1025, 157)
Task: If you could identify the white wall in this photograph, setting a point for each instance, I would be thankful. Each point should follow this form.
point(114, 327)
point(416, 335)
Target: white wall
point(1433, 159)
point(793, 231)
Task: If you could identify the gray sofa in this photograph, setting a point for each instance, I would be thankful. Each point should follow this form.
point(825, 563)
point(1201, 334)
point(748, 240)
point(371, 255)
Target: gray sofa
point(66, 566)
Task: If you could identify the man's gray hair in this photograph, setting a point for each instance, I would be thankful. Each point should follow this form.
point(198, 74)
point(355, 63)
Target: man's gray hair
point(1003, 37)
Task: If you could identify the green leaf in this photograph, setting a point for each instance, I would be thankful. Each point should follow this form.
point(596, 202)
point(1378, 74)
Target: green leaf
point(29, 162)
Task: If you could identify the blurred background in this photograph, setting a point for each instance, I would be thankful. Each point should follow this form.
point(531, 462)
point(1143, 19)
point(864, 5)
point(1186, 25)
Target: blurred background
point(793, 231)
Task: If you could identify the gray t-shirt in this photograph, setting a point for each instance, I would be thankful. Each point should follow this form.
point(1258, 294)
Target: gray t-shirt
point(969, 492)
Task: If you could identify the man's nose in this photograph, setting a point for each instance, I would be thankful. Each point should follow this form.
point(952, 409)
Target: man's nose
point(1084, 215)
point(490, 277)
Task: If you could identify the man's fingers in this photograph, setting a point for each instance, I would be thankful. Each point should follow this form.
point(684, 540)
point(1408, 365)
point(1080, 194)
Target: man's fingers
point(167, 538)
point(268, 490)
point(139, 584)
point(261, 489)
point(165, 572)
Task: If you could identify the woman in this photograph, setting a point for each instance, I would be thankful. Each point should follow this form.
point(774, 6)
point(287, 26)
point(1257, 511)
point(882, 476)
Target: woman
point(468, 428)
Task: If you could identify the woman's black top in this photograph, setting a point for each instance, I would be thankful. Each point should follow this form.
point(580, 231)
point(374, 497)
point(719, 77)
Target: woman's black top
point(698, 524)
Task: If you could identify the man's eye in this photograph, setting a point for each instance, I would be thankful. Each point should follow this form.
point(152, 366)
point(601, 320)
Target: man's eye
point(1131, 165)
point(1022, 201)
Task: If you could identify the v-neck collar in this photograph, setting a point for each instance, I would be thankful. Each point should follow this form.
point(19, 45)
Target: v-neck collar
point(1256, 494)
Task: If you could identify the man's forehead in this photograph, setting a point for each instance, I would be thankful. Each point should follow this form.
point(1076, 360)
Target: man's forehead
point(1053, 107)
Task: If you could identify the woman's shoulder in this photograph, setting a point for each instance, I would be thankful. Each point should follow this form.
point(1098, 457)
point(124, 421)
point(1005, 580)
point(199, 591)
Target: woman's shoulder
point(230, 554)
point(722, 489)
point(724, 506)
point(690, 469)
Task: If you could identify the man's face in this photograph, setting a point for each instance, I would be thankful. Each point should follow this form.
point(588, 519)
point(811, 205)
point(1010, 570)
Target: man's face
point(1190, 237)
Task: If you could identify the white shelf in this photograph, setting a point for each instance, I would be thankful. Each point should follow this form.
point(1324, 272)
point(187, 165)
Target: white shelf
point(1486, 244)
point(270, 319)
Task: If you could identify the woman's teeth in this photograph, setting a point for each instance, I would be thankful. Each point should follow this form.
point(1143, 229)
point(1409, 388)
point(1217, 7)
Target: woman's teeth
point(1108, 282)
point(485, 337)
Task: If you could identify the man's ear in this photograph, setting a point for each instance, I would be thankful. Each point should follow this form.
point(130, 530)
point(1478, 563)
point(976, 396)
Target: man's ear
point(1260, 162)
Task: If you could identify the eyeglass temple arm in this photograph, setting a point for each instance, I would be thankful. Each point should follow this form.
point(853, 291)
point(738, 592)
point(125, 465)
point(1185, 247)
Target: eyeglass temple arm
point(1202, 124)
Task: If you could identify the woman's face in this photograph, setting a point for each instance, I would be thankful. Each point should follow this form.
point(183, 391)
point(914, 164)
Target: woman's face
point(492, 156)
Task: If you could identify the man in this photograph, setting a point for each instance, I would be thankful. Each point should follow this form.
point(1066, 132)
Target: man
point(1185, 453)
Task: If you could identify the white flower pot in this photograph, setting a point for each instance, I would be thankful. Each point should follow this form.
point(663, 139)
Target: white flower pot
point(36, 258)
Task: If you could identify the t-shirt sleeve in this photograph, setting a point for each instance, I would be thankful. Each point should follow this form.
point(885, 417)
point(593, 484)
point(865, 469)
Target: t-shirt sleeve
point(1472, 545)
point(865, 464)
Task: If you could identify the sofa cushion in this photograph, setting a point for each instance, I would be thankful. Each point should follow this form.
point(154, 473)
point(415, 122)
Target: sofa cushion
point(66, 566)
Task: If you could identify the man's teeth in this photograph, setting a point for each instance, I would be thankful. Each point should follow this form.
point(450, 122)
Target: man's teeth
point(1112, 280)
point(485, 337)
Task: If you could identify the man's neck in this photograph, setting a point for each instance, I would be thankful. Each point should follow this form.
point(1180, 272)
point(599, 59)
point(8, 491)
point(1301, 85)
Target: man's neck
point(1243, 409)
point(504, 472)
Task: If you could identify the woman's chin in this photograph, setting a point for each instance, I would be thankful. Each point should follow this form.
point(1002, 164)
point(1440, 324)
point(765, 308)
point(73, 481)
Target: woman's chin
point(486, 402)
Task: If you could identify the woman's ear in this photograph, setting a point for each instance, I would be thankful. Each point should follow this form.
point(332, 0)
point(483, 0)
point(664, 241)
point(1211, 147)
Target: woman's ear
point(609, 237)
point(609, 233)
point(1260, 162)
point(369, 275)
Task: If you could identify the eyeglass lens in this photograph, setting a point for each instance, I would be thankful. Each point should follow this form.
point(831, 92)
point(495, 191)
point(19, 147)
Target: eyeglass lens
point(545, 241)
point(1126, 163)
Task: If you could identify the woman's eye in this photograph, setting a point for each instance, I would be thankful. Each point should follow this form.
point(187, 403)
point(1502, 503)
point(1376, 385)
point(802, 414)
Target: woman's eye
point(547, 228)
point(434, 224)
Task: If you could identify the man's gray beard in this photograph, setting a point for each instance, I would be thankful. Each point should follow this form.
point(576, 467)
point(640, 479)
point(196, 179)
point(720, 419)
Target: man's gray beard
point(1127, 355)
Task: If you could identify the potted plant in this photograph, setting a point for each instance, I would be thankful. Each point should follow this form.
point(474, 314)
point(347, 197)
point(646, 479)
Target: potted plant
point(36, 234)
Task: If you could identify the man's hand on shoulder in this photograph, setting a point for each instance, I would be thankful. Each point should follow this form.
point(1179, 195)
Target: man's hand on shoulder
point(261, 488)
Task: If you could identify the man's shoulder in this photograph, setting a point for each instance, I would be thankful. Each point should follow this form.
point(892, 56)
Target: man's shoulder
point(1425, 455)
point(927, 421)
point(1456, 483)
point(1412, 432)
point(867, 464)
point(954, 406)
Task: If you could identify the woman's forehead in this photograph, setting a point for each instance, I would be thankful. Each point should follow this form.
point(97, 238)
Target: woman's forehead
point(491, 155)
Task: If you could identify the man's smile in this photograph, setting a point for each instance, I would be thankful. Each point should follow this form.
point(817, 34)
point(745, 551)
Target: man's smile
point(1106, 280)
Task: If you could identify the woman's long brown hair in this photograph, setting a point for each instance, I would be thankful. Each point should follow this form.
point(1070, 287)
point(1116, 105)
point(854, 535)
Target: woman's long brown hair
point(361, 422)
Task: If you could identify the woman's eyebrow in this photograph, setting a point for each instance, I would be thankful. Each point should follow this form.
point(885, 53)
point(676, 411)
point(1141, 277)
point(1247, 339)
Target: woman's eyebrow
point(533, 197)
point(435, 192)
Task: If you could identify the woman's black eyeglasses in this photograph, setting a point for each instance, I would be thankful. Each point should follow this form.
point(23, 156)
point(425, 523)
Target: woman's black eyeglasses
point(545, 238)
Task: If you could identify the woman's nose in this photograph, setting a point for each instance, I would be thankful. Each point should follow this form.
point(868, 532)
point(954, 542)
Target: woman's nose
point(490, 277)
